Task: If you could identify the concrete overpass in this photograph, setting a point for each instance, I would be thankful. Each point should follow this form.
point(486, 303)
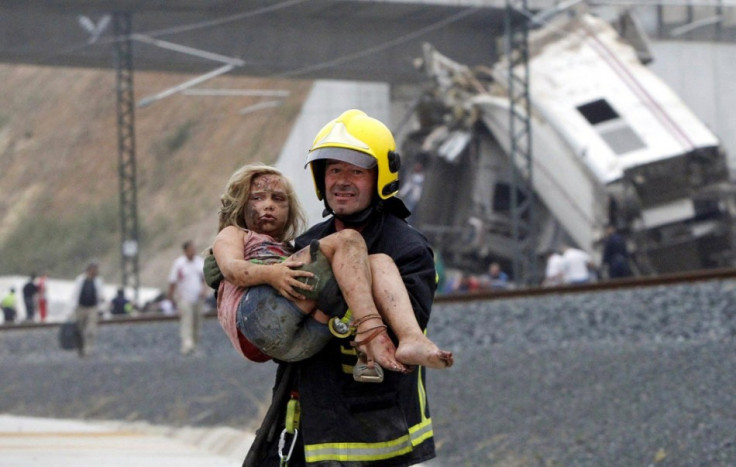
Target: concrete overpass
point(310, 39)
point(373, 40)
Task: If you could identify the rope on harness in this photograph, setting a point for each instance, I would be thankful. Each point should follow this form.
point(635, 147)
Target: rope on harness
point(291, 428)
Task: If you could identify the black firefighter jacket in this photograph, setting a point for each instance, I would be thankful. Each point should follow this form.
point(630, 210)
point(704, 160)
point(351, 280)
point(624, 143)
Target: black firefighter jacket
point(347, 423)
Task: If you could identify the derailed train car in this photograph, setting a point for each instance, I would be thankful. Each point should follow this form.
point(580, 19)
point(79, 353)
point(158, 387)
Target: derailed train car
point(611, 144)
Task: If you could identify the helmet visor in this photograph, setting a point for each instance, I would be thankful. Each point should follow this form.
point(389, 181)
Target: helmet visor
point(350, 156)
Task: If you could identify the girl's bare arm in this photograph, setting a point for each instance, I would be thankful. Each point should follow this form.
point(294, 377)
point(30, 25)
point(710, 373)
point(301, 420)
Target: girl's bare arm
point(228, 250)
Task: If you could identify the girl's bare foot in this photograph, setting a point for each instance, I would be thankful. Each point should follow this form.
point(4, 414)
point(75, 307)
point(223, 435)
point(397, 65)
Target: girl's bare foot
point(375, 345)
point(418, 350)
point(382, 350)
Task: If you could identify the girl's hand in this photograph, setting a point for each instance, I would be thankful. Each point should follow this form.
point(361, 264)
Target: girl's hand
point(284, 280)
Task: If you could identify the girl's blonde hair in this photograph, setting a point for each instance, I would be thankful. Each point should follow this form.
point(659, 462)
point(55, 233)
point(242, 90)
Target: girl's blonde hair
point(237, 193)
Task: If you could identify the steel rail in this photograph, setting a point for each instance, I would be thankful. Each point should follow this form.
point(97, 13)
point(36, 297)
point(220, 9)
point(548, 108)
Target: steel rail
point(642, 281)
point(458, 297)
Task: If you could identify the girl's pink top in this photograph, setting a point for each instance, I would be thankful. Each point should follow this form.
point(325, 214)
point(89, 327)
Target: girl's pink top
point(258, 248)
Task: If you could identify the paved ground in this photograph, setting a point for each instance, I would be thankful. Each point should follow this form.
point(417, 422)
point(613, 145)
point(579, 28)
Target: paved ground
point(27, 441)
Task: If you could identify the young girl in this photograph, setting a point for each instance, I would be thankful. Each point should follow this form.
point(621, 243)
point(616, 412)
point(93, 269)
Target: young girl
point(267, 303)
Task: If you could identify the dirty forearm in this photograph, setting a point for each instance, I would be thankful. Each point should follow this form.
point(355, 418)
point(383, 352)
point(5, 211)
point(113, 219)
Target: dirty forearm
point(230, 257)
point(244, 273)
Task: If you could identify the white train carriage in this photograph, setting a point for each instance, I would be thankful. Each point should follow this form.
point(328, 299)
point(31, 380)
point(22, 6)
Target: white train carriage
point(611, 143)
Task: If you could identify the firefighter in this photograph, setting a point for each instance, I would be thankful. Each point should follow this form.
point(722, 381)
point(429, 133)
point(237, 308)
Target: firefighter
point(319, 414)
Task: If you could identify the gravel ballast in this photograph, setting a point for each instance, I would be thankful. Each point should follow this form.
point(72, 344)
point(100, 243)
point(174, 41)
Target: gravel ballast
point(636, 376)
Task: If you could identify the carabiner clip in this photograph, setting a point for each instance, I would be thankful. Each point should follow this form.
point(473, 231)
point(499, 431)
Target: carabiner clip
point(282, 444)
point(340, 327)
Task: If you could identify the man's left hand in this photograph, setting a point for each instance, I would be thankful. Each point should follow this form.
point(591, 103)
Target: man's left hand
point(212, 274)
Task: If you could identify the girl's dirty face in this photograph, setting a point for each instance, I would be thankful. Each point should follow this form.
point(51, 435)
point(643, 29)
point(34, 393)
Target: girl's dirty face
point(267, 209)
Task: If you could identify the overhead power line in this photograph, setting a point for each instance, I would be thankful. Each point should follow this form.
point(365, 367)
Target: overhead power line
point(236, 92)
point(225, 20)
point(188, 50)
point(188, 84)
point(380, 47)
point(174, 30)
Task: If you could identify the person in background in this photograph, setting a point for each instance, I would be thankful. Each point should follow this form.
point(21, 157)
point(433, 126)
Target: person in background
point(87, 298)
point(554, 272)
point(616, 254)
point(30, 297)
point(120, 305)
point(187, 291)
point(577, 266)
point(494, 279)
point(9, 304)
point(439, 265)
point(469, 283)
point(42, 302)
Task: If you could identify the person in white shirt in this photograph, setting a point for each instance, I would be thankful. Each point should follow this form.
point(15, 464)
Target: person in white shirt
point(187, 291)
point(577, 265)
point(554, 272)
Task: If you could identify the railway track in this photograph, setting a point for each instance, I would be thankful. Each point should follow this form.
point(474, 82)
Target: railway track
point(568, 378)
point(649, 281)
point(644, 281)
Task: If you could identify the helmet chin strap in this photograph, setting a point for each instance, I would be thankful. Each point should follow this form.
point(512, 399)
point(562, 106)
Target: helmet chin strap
point(355, 219)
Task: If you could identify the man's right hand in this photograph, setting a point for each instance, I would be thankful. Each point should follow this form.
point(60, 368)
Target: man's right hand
point(212, 274)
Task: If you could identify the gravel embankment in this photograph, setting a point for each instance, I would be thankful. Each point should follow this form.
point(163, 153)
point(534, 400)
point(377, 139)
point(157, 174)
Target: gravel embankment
point(641, 376)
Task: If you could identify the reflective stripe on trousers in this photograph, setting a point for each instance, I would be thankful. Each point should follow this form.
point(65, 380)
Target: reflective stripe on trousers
point(370, 451)
point(346, 452)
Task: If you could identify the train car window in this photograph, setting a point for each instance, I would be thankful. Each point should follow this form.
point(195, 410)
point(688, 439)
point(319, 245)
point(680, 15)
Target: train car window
point(621, 139)
point(611, 127)
point(598, 112)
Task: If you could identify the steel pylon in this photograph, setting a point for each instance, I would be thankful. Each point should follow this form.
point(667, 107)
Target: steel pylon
point(126, 151)
point(517, 25)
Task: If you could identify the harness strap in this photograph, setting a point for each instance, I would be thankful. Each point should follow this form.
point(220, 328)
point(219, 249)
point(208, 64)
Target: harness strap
point(293, 413)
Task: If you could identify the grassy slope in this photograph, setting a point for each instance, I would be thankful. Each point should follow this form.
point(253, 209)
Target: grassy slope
point(59, 190)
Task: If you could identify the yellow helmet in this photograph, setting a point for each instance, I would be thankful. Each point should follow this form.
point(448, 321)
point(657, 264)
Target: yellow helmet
point(357, 139)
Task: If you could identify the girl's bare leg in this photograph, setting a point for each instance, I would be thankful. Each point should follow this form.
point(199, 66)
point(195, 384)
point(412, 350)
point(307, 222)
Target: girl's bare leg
point(348, 257)
point(394, 305)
